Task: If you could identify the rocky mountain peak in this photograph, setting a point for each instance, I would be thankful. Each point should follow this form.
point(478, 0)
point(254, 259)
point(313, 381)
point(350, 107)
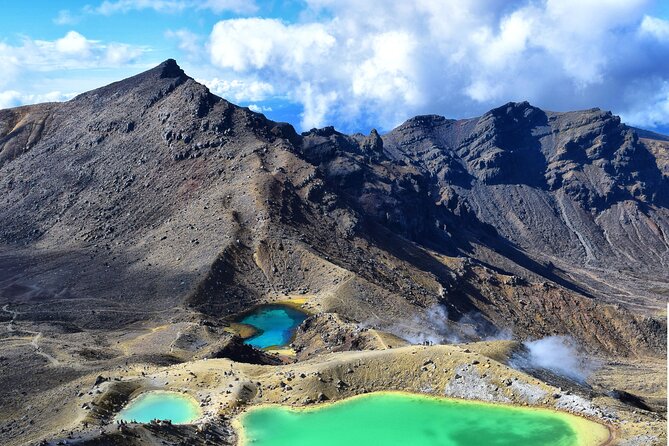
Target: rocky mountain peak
point(139, 92)
point(373, 145)
point(170, 68)
point(517, 110)
point(425, 122)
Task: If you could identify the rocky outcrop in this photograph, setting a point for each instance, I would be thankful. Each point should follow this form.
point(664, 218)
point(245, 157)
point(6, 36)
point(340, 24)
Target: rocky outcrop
point(578, 189)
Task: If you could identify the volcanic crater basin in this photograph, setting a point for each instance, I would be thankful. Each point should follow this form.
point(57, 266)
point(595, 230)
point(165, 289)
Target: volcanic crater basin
point(161, 405)
point(398, 418)
point(275, 325)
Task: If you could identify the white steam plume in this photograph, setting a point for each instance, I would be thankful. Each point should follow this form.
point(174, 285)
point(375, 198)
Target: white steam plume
point(560, 355)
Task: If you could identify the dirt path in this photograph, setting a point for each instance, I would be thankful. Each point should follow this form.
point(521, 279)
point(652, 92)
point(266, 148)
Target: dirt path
point(37, 335)
point(35, 344)
point(10, 324)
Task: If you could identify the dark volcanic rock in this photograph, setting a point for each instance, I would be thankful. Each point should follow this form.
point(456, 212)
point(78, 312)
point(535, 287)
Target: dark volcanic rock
point(151, 198)
point(503, 147)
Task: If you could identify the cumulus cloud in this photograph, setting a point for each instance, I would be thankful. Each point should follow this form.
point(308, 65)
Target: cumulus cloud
point(13, 98)
point(655, 27)
point(380, 62)
point(254, 43)
point(73, 51)
point(9, 98)
point(238, 90)
point(116, 54)
point(73, 43)
point(10, 62)
point(654, 115)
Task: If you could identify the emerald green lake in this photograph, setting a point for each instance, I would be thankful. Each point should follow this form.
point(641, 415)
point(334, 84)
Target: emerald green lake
point(276, 325)
point(161, 405)
point(394, 419)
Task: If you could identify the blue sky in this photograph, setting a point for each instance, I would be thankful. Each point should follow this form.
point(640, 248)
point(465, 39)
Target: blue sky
point(353, 64)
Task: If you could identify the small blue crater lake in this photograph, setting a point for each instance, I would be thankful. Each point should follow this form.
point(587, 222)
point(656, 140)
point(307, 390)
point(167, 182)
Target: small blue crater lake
point(276, 325)
point(161, 405)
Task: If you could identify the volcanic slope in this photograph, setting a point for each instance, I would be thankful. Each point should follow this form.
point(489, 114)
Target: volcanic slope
point(136, 217)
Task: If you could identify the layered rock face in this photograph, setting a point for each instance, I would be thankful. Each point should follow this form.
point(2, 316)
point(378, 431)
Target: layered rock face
point(579, 190)
point(152, 198)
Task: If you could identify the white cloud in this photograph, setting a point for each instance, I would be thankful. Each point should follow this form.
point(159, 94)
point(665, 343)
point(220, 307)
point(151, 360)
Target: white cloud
point(259, 108)
point(380, 62)
point(13, 98)
point(388, 71)
point(73, 43)
point(238, 6)
point(65, 17)
point(255, 43)
point(654, 113)
point(116, 54)
point(317, 104)
point(238, 90)
point(109, 7)
point(9, 98)
point(72, 51)
point(655, 27)
point(9, 60)
point(25, 65)
point(122, 6)
point(188, 41)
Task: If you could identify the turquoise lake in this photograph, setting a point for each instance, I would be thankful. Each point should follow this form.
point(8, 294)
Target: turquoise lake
point(276, 325)
point(396, 419)
point(161, 405)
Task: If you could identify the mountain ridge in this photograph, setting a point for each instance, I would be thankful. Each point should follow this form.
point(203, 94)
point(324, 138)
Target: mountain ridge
point(459, 161)
point(139, 219)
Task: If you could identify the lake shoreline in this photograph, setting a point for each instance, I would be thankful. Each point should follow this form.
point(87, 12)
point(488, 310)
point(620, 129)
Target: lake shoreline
point(579, 423)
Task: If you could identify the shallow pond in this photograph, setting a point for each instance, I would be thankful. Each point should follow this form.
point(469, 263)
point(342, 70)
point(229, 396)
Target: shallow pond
point(394, 419)
point(276, 325)
point(161, 405)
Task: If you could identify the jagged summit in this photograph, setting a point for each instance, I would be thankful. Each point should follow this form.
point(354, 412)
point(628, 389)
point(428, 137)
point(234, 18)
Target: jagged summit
point(170, 68)
point(157, 81)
